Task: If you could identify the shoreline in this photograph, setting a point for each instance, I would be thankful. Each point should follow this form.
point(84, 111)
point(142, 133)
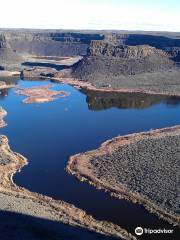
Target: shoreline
point(80, 166)
point(80, 84)
point(41, 94)
point(85, 85)
point(60, 211)
point(3, 114)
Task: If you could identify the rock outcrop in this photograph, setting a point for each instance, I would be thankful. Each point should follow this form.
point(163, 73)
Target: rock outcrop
point(102, 48)
point(50, 43)
point(9, 59)
point(168, 42)
point(106, 52)
point(112, 60)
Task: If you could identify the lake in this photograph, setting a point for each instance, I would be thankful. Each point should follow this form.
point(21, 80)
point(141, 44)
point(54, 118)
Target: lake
point(48, 134)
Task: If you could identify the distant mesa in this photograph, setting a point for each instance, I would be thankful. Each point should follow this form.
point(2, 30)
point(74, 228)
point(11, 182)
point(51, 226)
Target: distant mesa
point(136, 61)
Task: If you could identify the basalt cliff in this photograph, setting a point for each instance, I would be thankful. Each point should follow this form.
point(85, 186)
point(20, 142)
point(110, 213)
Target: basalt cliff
point(108, 59)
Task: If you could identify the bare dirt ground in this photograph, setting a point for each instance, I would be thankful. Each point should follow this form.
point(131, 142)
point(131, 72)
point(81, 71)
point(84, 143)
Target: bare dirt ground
point(17, 200)
point(41, 94)
point(141, 167)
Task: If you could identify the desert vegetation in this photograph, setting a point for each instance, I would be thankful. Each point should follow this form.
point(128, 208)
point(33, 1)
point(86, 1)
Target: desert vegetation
point(140, 167)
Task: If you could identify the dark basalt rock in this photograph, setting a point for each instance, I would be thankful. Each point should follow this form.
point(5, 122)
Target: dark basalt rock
point(112, 60)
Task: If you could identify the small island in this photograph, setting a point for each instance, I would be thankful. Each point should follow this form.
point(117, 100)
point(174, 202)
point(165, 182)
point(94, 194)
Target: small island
point(41, 94)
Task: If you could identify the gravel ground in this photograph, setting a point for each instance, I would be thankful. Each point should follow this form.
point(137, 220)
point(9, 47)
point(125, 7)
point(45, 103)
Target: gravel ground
point(24, 219)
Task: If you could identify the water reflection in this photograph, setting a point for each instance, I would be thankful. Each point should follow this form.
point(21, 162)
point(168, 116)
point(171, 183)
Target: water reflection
point(8, 80)
point(3, 93)
point(104, 100)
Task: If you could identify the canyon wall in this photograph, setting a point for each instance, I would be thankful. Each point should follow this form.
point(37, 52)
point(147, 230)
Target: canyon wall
point(143, 50)
point(109, 60)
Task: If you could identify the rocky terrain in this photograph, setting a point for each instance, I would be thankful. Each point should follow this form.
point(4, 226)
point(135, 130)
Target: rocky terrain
point(16, 45)
point(136, 61)
point(141, 167)
point(8, 56)
point(120, 66)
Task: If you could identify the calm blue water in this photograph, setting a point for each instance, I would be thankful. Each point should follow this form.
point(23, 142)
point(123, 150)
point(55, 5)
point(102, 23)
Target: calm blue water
point(47, 134)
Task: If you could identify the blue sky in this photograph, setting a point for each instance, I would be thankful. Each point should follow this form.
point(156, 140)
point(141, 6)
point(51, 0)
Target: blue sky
point(157, 15)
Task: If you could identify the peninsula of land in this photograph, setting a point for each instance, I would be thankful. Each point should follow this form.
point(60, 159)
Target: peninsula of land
point(142, 168)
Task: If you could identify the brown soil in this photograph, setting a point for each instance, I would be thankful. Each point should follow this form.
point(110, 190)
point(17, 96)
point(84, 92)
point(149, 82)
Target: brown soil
point(149, 179)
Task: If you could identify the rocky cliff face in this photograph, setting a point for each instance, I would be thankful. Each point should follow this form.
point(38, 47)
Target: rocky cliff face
point(155, 39)
point(49, 43)
point(15, 45)
point(64, 43)
point(138, 51)
point(102, 48)
point(168, 42)
point(9, 59)
point(105, 59)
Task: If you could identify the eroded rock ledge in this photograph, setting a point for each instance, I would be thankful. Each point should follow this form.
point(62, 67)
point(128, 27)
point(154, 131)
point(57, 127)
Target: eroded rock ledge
point(141, 167)
point(24, 201)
